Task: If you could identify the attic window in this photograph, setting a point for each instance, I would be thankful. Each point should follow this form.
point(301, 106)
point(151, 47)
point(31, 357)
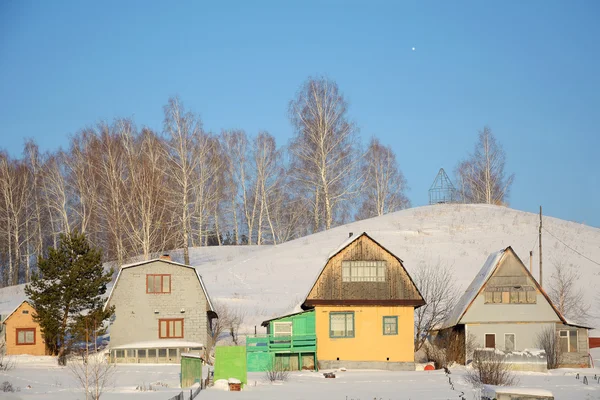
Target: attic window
point(510, 295)
point(363, 271)
point(25, 311)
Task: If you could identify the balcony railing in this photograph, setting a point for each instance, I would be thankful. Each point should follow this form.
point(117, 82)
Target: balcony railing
point(292, 344)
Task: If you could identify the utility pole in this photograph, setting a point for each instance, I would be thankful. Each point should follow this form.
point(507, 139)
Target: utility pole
point(540, 245)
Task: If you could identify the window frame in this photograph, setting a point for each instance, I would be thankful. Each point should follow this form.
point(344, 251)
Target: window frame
point(25, 330)
point(568, 337)
point(514, 335)
point(395, 317)
point(280, 323)
point(162, 284)
point(379, 265)
point(345, 313)
point(167, 321)
point(485, 335)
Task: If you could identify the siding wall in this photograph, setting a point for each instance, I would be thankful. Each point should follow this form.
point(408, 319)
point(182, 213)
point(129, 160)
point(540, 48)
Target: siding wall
point(525, 334)
point(135, 319)
point(369, 343)
point(20, 320)
point(397, 285)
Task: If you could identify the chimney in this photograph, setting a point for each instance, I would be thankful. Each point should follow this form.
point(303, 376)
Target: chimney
point(350, 234)
point(165, 257)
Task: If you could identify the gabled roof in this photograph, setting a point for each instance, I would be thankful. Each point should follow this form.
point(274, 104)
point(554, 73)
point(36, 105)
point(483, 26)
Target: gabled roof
point(345, 244)
point(16, 308)
point(491, 265)
point(137, 264)
point(266, 322)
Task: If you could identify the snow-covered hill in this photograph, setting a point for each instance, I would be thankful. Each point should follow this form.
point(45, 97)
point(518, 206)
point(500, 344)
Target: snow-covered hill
point(270, 280)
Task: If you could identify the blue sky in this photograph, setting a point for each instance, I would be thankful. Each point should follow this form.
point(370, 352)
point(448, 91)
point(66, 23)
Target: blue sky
point(529, 70)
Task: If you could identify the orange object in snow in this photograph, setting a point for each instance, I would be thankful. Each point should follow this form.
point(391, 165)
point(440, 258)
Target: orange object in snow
point(429, 367)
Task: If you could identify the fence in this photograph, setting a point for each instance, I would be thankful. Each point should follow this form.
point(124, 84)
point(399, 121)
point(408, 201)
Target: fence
point(184, 394)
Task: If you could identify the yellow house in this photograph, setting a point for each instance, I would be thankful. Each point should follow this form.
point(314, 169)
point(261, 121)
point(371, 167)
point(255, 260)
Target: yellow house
point(23, 334)
point(364, 302)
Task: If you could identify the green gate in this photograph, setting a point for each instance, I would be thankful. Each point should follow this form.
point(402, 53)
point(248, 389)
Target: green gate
point(191, 370)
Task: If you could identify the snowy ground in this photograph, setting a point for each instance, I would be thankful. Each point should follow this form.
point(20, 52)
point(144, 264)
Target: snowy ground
point(48, 381)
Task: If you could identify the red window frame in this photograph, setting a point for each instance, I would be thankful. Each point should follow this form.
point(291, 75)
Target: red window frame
point(24, 336)
point(162, 283)
point(170, 335)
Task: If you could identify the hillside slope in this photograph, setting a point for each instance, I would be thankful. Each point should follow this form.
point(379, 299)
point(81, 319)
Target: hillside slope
point(270, 280)
point(265, 281)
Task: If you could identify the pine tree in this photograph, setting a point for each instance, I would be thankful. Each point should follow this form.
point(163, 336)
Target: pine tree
point(67, 290)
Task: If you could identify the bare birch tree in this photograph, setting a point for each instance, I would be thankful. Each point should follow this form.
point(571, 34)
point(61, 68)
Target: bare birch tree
point(438, 287)
point(146, 195)
point(324, 149)
point(481, 177)
point(185, 141)
point(384, 184)
point(566, 295)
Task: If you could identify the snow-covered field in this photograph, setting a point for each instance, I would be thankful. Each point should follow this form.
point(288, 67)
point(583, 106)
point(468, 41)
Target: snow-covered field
point(40, 378)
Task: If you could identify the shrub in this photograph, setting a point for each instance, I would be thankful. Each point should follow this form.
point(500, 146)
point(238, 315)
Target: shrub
point(548, 341)
point(6, 386)
point(277, 374)
point(490, 368)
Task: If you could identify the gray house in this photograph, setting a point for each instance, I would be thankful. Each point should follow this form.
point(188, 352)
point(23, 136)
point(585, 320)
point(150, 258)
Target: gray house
point(162, 309)
point(505, 308)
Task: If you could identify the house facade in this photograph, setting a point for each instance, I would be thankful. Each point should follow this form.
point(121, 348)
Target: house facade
point(363, 301)
point(162, 309)
point(505, 308)
point(22, 335)
point(290, 344)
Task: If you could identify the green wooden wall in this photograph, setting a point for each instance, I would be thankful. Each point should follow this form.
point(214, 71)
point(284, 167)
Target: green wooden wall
point(191, 371)
point(230, 362)
point(302, 324)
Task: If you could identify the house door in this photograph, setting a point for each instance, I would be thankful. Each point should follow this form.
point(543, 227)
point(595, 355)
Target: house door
point(490, 340)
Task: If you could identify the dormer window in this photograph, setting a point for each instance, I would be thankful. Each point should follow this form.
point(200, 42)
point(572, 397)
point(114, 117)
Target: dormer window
point(363, 271)
point(158, 283)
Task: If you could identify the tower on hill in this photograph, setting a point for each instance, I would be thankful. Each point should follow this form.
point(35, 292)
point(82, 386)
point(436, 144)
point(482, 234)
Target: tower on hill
point(442, 190)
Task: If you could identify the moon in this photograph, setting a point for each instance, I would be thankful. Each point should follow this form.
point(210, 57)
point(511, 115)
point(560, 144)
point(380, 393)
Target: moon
point(413, 49)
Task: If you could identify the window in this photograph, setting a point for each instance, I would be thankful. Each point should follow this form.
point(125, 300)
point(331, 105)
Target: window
point(25, 336)
point(151, 352)
point(170, 328)
point(341, 325)
point(490, 340)
point(509, 342)
point(173, 353)
point(131, 353)
point(510, 295)
point(158, 283)
point(363, 271)
point(25, 312)
point(282, 329)
point(568, 341)
point(120, 353)
point(162, 352)
point(390, 325)
point(142, 353)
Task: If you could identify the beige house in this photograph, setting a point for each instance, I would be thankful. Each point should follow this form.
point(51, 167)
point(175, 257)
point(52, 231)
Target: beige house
point(162, 309)
point(505, 308)
point(22, 335)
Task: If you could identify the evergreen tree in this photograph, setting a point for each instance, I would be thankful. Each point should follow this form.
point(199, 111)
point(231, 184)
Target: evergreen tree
point(67, 290)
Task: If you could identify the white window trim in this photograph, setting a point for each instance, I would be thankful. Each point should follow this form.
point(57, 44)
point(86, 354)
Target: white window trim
point(568, 331)
point(484, 341)
point(287, 323)
point(514, 340)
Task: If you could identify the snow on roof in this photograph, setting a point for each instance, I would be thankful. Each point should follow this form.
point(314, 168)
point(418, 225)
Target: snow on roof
point(11, 297)
point(16, 308)
point(159, 344)
point(480, 279)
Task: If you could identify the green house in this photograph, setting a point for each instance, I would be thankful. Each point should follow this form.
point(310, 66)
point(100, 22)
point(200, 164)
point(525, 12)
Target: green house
point(290, 344)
